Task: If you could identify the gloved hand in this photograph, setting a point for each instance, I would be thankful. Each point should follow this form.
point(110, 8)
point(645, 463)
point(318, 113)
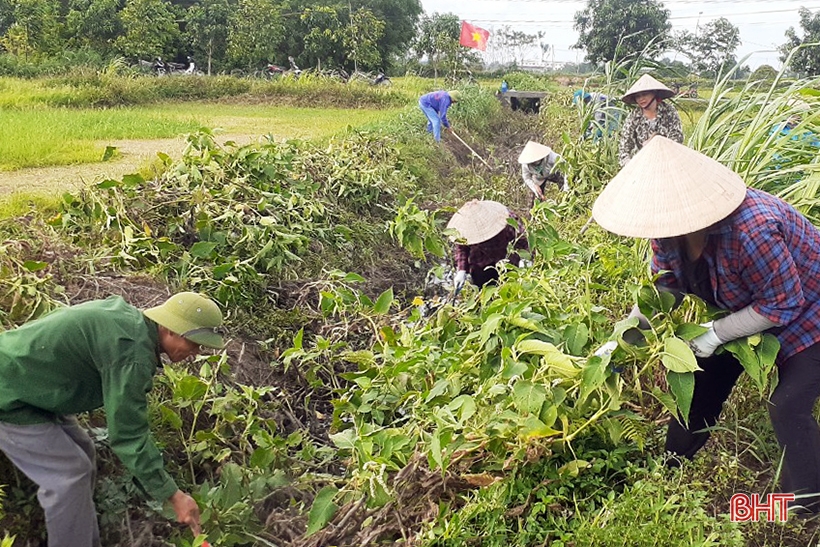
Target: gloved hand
point(459, 279)
point(706, 344)
point(524, 263)
point(606, 349)
point(565, 187)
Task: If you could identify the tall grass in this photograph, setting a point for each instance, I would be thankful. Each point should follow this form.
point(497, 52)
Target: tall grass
point(740, 127)
point(84, 89)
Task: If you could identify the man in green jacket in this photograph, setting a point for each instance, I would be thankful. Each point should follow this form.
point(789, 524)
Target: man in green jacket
point(102, 353)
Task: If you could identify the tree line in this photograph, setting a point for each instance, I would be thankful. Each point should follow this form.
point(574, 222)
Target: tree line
point(358, 34)
point(610, 29)
point(220, 34)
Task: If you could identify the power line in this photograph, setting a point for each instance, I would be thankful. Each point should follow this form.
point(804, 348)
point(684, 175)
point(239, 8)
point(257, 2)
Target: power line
point(677, 17)
point(668, 3)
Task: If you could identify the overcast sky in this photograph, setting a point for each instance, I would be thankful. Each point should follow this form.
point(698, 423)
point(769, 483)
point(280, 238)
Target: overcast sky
point(762, 23)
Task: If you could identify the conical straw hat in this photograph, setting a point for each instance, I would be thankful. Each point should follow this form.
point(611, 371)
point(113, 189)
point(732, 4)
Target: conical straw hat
point(477, 221)
point(667, 190)
point(533, 152)
point(647, 83)
point(798, 105)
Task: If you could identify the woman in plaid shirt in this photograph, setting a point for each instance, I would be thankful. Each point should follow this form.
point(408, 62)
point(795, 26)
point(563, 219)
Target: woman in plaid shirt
point(746, 252)
point(484, 234)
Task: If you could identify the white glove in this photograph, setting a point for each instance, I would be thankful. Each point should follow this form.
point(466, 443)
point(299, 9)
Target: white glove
point(706, 344)
point(606, 349)
point(565, 187)
point(524, 263)
point(459, 279)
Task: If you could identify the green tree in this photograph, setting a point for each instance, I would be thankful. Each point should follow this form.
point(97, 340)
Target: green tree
point(6, 18)
point(712, 48)
point(437, 41)
point(325, 35)
point(361, 39)
point(254, 33)
point(33, 28)
point(94, 24)
point(207, 29)
point(150, 29)
point(766, 73)
point(805, 61)
point(610, 29)
point(400, 17)
point(515, 42)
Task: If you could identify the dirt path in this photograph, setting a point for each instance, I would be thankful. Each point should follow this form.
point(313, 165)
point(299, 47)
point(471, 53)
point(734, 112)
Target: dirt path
point(133, 155)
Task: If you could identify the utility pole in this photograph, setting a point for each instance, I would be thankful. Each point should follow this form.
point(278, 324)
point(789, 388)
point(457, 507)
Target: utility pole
point(697, 30)
point(350, 19)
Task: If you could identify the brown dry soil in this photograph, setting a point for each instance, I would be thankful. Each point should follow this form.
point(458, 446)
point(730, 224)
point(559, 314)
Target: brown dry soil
point(131, 156)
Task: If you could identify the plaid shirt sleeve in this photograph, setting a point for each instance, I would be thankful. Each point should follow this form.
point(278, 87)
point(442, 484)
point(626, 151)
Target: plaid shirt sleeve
point(769, 273)
point(462, 256)
point(768, 256)
point(665, 260)
point(488, 253)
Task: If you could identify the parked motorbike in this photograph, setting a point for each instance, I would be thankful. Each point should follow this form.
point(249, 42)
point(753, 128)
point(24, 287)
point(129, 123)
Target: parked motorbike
point(340, 74)
point(270, 71)
point(163, 68)
point(160, 67)
point(691, 92)
point(381, 79)
point(294, 69)
point(191, 68)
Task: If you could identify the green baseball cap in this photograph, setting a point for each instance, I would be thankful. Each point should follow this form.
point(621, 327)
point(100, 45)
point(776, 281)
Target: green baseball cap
point(191, 315)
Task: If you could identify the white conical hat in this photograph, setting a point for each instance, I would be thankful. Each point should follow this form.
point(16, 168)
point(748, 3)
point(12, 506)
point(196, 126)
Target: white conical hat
point(647, 83)
point(477, 221)
point(533, 152)
point(667, 190)
point(798, 105)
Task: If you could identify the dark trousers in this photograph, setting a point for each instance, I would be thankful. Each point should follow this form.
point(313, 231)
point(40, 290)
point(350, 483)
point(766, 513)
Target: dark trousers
point(482, 277)
point(790, 410)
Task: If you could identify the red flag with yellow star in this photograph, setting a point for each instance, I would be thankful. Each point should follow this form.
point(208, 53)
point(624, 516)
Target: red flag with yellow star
point(474, 37)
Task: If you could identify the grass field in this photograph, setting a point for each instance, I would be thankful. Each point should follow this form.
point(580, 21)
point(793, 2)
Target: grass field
point(46, 136)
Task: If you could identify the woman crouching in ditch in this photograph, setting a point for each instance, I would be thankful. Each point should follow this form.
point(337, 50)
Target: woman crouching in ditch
point(485, 233)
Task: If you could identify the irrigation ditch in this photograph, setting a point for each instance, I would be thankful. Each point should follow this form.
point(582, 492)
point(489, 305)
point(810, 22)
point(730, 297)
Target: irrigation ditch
point(339, 414)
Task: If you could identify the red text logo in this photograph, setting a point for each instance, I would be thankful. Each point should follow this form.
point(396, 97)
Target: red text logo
point(743, 507)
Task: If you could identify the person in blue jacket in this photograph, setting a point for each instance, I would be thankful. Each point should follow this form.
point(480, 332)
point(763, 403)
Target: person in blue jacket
point(435, 105)
point(606, 117)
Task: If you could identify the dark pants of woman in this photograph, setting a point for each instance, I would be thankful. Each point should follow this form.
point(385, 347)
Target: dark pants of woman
point(790, 410)
point(482, 277)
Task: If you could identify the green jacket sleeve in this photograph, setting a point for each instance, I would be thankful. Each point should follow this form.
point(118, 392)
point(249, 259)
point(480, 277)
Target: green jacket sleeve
point(125, 393)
